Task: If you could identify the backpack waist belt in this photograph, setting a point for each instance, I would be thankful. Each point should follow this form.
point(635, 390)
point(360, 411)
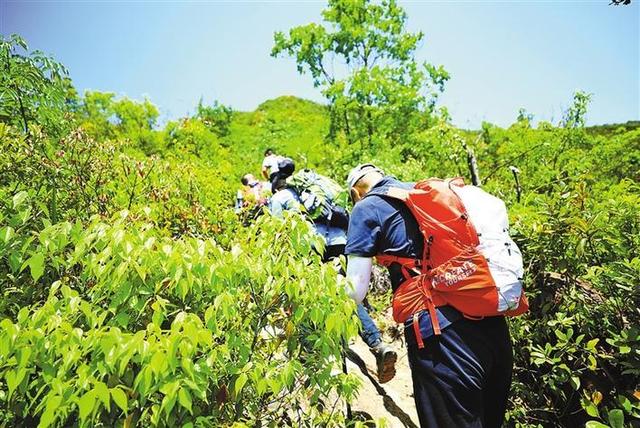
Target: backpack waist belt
point(413, 295)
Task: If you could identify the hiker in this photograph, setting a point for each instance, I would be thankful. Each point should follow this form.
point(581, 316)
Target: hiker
point(287, 198)
point(270, 165)
point(460, 364)
point(251, 197)
point(275, 167)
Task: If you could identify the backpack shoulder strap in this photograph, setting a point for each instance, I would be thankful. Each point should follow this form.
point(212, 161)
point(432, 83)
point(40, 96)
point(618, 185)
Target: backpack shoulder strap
point(392, 192)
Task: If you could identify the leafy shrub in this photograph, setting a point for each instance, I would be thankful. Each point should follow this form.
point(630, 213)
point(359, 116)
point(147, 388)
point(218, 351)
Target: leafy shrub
point(146, 329)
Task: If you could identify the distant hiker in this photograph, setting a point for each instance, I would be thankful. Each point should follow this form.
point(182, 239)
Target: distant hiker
point(435, 238)
point(324, 200)
point(270, 165)
point(252, 197)
point(288, 197)
point(275, 167)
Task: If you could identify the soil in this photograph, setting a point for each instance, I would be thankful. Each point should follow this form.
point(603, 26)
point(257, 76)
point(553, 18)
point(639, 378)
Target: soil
point(392, 401)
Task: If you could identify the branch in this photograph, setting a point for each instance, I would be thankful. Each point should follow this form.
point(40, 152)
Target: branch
point(510, 161)
point(472, 163)
point(589, 291)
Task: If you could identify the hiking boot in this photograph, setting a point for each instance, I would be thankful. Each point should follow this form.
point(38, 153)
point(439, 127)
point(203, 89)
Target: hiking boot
point(386, 361)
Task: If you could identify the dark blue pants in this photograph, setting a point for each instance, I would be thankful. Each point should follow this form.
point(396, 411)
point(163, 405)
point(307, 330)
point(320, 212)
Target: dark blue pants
point(462, 377)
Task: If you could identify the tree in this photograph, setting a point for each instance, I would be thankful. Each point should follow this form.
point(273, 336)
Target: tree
point(378, 90)
point(216, 117)
point(33, 87)
point(575, 116)
point(125, 119)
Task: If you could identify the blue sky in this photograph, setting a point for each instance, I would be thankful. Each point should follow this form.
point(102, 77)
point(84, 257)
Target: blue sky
point(501, 55)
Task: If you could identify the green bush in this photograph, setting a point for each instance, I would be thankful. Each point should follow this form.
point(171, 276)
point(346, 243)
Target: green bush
point(144, 329)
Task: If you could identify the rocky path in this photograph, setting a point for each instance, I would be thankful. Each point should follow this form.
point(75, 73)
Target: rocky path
point(393, 400)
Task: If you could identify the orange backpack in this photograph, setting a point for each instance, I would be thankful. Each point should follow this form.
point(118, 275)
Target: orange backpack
point(469, 260)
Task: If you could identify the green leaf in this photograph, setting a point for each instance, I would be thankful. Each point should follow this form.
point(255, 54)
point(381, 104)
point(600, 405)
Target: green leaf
point(595, 424)
point(158, 362)
point(625, 403)
point(6, 233)
point(575, 382)
point(86, 404)
point(590, 407)
point(274, 384)
point(13, 379)
point(240, 382)
point(593, 364)
point(36, 265)
point(49, 416)
point(184, 398)
point(167, 403)
point(616, 418)
point(19, 198)
point(120, 398)
point(102, 392)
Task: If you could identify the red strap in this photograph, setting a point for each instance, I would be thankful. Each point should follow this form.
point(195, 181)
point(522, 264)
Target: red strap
point(406, 263)
point(428, 299)
point(434, 316)
point(416, 330)
point(387, 259)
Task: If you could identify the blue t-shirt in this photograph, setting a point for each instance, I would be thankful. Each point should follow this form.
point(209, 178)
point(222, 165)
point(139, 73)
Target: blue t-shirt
point(384, 225)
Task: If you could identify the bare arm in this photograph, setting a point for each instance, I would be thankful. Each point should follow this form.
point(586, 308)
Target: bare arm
point(358, 275)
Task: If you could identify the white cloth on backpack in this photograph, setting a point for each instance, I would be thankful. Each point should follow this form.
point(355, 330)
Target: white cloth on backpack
point(489, 217)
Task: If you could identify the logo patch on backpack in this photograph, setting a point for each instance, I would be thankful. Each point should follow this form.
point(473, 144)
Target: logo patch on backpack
point(454, 275)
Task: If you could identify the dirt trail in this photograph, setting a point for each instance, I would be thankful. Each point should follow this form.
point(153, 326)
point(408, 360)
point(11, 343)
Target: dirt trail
point(393, 400)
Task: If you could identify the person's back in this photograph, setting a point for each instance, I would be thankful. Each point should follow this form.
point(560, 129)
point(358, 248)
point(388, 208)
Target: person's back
point(287, 199)
point(400, 235)
point(462, 374)
point(284, 199)
point(270, 165)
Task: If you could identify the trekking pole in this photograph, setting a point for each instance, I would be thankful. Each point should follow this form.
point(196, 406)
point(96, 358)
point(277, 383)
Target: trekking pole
point(344, 370)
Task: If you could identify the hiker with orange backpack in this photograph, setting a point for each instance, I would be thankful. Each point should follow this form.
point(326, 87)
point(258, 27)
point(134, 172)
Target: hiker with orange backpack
point(455, 274)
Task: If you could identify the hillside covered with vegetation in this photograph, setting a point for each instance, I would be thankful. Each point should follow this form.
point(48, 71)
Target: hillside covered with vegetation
point(133, 296)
